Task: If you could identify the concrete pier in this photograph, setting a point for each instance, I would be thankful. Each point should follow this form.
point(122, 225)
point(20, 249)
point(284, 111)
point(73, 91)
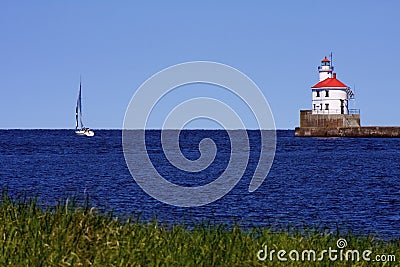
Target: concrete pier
point(339, 125)
point(371, 131)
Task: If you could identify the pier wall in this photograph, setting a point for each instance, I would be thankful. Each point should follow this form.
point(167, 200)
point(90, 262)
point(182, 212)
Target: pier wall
point(307, 119)
point(339, 125)
point(365, 131)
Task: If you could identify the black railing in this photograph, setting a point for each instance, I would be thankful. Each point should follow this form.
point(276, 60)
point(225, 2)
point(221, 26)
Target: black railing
point(354, 111)
point(320, 67)
point(335, 111)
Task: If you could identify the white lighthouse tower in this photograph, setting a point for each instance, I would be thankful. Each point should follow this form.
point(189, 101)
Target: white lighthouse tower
point(325, 70)
point(329, 95)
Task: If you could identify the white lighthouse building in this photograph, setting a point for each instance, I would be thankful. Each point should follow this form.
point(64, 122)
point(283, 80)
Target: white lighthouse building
point(329, 95)
point(330, 115)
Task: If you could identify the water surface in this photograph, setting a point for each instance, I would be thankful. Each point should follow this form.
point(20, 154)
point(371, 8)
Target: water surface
point(350, 183)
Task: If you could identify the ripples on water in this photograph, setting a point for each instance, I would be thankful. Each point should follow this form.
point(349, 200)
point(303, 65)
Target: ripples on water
point(327, 182)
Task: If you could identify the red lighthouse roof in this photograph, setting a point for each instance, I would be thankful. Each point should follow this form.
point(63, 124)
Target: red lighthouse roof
point(330, 82)
point(325, 60)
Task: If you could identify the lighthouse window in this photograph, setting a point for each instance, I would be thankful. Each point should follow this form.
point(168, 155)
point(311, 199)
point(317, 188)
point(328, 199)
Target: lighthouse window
point(326, 93)
point(317, 93)
point(326, 106)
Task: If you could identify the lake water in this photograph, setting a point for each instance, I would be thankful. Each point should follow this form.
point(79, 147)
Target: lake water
point(349, 183)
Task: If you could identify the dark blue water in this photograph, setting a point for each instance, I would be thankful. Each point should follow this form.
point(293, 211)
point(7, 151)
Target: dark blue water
point(350, 183)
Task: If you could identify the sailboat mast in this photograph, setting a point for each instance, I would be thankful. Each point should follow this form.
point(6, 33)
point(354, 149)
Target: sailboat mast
point(76, 117)
point(80, 103)
point(78, 109)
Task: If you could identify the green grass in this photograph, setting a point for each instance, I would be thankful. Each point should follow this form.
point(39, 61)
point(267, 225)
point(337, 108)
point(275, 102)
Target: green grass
point(66, 235)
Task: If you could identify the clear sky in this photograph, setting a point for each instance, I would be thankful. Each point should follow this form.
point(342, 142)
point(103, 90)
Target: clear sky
point(116, 45)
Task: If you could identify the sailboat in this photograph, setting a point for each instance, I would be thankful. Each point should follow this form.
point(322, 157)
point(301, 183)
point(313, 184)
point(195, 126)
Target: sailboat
point(78, 116)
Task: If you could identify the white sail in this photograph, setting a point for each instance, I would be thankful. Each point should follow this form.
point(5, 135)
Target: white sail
point(78, 109)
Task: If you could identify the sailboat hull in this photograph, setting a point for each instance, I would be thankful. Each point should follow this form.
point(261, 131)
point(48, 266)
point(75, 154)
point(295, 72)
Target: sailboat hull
point(85, 132)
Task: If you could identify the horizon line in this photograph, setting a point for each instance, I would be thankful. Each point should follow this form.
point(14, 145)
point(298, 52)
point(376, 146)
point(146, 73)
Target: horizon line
point(151, 129)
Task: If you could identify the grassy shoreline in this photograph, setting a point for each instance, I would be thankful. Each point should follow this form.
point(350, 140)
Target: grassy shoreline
point(66, 235)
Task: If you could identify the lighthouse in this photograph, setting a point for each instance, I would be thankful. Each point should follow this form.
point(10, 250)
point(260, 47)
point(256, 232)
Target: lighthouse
point(330, 115)
point(329, 95)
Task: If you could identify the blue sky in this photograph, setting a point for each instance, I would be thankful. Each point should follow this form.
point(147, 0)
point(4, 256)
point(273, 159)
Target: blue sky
point(116, 45)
